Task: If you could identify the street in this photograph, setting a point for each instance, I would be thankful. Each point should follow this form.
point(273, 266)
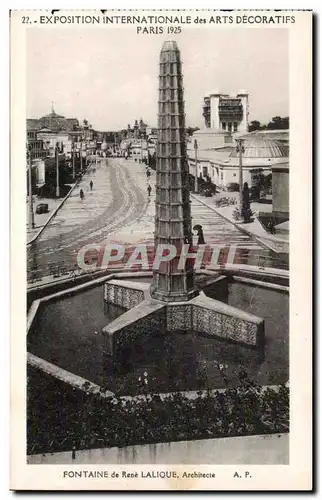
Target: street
point(118, 210)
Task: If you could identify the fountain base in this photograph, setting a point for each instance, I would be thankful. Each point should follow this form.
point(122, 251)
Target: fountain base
point(147, 316)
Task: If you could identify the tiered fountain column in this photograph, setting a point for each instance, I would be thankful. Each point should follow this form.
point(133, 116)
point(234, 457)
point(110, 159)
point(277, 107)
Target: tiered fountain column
point(172, 203)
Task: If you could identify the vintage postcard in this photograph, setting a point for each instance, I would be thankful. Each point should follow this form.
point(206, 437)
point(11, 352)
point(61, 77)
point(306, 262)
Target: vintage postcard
point(161, 172)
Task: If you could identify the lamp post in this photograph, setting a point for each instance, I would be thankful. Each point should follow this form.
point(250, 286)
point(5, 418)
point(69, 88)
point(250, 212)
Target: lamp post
point(73, 159)
point(195, 145)
point(240, 149)
point(85, 155)
point(57, 170)
point(31, 208)
point(81, 157)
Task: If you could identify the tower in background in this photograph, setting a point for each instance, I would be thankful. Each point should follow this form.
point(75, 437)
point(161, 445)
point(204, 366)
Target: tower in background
point(226, 112)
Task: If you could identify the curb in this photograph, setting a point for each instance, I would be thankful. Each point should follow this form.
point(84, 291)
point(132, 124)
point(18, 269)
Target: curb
point(77, 381)
point(256, 270)
point(110, 454)
point(242, 229)
point(54, 213)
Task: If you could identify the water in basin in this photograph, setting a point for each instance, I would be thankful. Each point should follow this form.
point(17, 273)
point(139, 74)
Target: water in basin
point(67, 333)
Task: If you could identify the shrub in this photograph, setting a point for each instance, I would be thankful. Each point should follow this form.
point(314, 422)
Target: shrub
point(232, 186)
point(60, 417)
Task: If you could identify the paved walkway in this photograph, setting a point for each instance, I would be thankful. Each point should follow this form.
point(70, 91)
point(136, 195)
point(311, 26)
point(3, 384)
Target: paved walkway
point(76, 212)
point(278, 242)
point(118, 198)
point(216, 229)
point(118, 210)
point(257, 450)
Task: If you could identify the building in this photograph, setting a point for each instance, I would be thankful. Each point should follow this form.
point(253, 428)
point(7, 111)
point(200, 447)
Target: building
point(140, 141)
point(138, 131)
point(46, 132)
point(138, 149)
point(226, 112)
point(209, 139)
point(43, 171)
point(51, 138)
point(280, 135)
point(151, 132)
point(43, 136)
point(53, 122)
point(280, 192)
point(36, 145)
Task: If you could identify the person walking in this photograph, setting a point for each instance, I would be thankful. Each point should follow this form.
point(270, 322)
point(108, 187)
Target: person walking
point(81, 194)
point(149, 190)
point(73, 273)
point(201, 239)
point(91, 185)
point(271, 227)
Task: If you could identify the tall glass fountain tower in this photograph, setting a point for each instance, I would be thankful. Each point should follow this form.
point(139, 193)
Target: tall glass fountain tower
point(172, 204)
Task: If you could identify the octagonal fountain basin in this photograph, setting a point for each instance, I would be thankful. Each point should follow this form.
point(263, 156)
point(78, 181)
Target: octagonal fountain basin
point(68, 333)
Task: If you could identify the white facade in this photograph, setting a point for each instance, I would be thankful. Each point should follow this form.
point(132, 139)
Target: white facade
point(223, 173)
point(214, 115)
point(50, 140)
point(39, 165)
point(137, 152)
point(138, 149)
point(243, 125)
point(227, 112)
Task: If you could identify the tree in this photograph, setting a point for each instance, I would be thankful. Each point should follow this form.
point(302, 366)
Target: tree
point(152, 160)
point(278, 123)
point(254, 125)
point(191, 130)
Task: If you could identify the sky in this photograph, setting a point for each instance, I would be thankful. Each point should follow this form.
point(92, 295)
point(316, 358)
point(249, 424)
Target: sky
point(110, 75)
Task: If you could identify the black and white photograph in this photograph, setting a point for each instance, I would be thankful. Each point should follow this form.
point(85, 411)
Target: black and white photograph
point(163, 177)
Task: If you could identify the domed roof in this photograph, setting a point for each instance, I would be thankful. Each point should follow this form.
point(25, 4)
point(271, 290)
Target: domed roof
point(258, 147)
point(210, 131)
point(53, 115)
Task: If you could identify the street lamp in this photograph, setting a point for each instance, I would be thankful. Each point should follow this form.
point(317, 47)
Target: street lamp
point(31, 208)
point(57, 170)
point(85, 144)
point(240, 149)
point(81, 156)
point(195, 145)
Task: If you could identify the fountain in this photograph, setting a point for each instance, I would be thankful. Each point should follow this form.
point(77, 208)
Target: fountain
point(171, 330)
point(176, 322)
point(173, 302)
